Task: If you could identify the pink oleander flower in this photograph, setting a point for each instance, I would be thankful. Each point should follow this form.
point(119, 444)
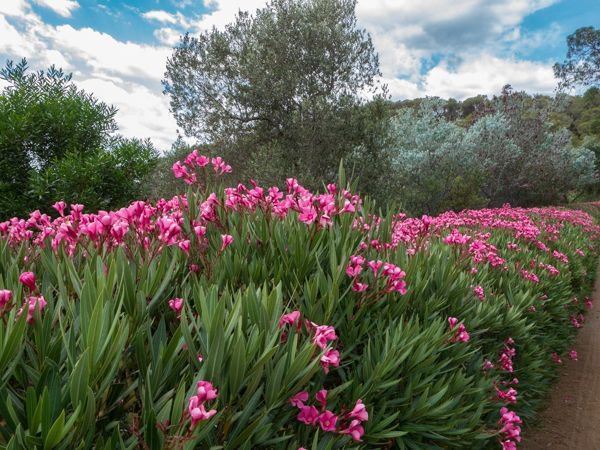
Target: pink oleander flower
point(576, 322)
point(359, 287)
point(76, 210)
point(179, 170)
point(299, 399)
point(588, 303)
point(573, 355)
point(555, 358)
point(462, 335)
point(509, 396)
point(328, 421)
point(353, 270)
point(487, 365)
point(308, 415)
point(323, 334)
point(359, 412)
point(321, 397)
point(197, 411)
point(32, 304)
point(331, 358)
point(5, 297)
point(355, 430)
point(176, 304)
point(200, 357)
point(28, 279)
point(292, 318)
point(474, 271)
point(226, 240)
point(199, 231)
point(479, 292)
point(206, 391)
point(452, 321)
point(60, 208)
point(375, 266)
point(185, 246)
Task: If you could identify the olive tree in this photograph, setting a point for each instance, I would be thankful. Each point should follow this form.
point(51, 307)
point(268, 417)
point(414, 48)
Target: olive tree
point(283, 86)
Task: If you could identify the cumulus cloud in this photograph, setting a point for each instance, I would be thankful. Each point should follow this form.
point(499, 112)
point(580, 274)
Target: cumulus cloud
point(160, 16)
point(61, 7)
point(487, 74)
point(167, 36)
point(406, 32)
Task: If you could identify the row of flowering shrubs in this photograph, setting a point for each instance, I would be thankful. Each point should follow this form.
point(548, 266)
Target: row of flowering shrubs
point(264, 318)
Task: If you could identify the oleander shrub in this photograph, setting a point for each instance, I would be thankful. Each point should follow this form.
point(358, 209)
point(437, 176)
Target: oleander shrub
point(247, 317)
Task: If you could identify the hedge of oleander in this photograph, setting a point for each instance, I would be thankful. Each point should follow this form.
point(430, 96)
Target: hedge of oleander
point(250, 318)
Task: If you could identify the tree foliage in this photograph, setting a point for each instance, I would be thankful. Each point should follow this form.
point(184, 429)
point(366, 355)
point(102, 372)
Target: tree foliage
point(282, 85)
point(582, 66)
point(100, 179)
point(57, 142)
point(511, 153)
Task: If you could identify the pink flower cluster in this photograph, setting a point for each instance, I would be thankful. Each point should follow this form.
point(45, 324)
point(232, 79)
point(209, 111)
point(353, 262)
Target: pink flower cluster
point(526, 225)
point(505, 362)
point(510, 429)
point(349, 423)
point(391, 275)
point(530, 276)
point(479, 292)
point(205, 393)
point(323, 334)
point(561, 257)
point(577, 320)
point(461, 334)
point(186, 170)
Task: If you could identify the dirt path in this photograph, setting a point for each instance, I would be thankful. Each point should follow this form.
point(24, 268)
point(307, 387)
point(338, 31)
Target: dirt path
point(572, 420)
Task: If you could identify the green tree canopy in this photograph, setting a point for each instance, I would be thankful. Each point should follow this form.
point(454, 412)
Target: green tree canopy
point(43, 116)
point(284, 84)
point(58, 143)
point(582, 66)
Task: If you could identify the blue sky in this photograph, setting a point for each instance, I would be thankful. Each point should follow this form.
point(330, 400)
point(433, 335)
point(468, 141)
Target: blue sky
point(449, 48)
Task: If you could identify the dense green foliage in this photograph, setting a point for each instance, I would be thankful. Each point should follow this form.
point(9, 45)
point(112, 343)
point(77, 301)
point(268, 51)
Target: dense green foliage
point(509, 154)
point(56, 142)
point(99, 179)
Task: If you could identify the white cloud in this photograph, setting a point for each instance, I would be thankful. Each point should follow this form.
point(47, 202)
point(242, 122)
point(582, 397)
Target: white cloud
point(13, 7)
point(101, 53)
point(161, 16)
point(407, 31)
point(167, 36)
point(402, 88)
point(142, 111)
point(61, 7)
point(487, 74)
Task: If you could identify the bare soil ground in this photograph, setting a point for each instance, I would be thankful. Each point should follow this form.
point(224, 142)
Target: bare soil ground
point(572, 419)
